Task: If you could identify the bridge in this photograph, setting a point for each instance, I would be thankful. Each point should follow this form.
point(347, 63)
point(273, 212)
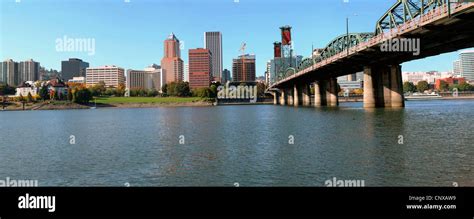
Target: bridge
point(440, 26)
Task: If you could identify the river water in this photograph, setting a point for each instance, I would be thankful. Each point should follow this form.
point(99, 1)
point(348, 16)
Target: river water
point(429, 143)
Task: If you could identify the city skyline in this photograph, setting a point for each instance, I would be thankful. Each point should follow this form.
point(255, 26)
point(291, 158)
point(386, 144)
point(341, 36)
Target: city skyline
point(243, 21)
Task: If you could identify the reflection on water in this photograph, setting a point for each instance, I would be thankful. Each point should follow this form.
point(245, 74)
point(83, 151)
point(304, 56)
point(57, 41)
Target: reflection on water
point(248, 145)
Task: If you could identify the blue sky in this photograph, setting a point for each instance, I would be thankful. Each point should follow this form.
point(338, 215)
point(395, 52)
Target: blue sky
point(131, 34)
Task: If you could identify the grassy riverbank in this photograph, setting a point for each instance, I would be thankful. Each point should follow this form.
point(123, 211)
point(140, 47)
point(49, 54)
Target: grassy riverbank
point(113, 102)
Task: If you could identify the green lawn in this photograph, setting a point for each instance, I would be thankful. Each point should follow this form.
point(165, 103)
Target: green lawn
point(111, 100)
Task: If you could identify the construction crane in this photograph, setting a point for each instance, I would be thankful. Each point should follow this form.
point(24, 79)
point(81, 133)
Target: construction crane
point(242, 49)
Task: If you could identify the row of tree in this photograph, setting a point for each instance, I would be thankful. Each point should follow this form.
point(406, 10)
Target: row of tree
point(423, 86)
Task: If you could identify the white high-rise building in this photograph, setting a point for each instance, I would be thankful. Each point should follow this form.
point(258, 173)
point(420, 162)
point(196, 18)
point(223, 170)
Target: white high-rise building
point(467, 65)
point(186, 72)
point(213, 42)
point(457, 68)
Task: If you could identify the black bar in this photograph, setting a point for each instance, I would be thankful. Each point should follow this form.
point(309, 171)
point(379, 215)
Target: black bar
point(238, 201)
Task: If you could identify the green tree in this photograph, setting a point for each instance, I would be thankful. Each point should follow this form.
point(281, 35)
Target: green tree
point(30, 97)
point(44, 93)
point(213, 91)
point(70, 94)
point(422, 86)
point(82, 96)
point(464, 86)
point(408, 87)
point(261, 89)
point(164, 88)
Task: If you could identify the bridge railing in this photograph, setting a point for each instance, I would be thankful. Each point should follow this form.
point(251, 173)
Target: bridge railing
point(429, 17)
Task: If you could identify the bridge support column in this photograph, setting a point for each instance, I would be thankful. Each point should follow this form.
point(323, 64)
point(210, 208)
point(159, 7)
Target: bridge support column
point(321, 93)
point(305, 91)
point(333, 93)
point(283, 97)
point(290, 99)
point(383, 87)
point(276, 97)
point(296, 95)
point(369, 91)
point(396, 86)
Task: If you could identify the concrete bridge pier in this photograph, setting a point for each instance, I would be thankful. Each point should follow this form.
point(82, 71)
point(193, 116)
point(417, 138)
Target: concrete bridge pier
point(296, 95)
point(333, 99)
point(383, 86)
point(283, 97)
point(276, 97)
point(290, 96)
point(320, 93)
point(306, 95)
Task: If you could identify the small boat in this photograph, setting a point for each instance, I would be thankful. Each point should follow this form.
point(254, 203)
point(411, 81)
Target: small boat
point(420, 96)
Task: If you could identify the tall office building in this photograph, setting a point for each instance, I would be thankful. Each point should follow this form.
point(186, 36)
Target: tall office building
point(73, 68)
point(111, 75)
point(28, 71)
point(147, 79)
point(9, 72)
point(186, 72)
point(457, 68)
point(3, 75)
point(467, 65)
point(172, 64)
point(213, 42)
point(200, 68)
point(225, 76)
point(243, 68)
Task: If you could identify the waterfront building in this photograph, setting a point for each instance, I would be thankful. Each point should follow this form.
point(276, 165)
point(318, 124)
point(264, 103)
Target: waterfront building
point(111, 75)
point(73, 68)
point(450, 81)
point(172, 64)
point(9, 72)
point(429, 77)
point(25, 88)
point(467, 65)
point(28, 71)
point(213, 42)
point(147, 79)
point(200, 68)
point(243, 68)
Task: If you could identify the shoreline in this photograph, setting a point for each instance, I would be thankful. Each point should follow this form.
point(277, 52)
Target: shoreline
point(74, 106)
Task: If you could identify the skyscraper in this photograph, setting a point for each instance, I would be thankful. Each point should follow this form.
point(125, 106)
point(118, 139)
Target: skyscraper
point(243, 68)
point(172, 64)
point(73, 68)
point(200, 68)
point(9, 72)
point(213, 42)
point(457, 68)
point(28, 71)
point(467, 64)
